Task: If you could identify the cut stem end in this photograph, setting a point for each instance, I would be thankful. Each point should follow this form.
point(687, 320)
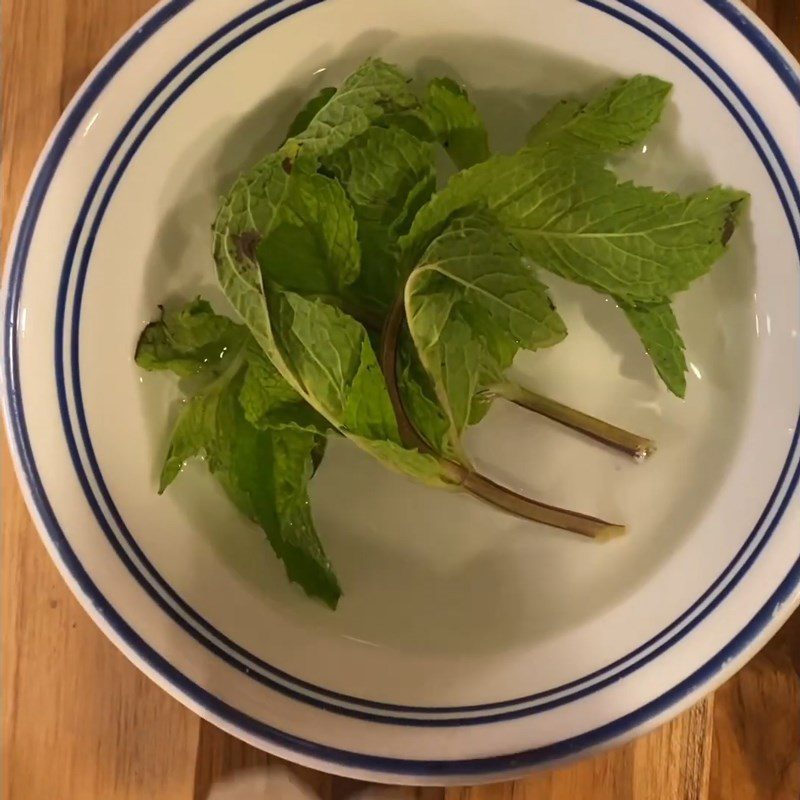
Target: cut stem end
point(639, 447)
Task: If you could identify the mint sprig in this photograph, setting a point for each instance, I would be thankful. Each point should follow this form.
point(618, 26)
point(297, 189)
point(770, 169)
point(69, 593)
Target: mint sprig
point(380, 309)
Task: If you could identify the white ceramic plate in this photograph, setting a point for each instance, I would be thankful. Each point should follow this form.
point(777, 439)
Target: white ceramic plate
point(468, 645)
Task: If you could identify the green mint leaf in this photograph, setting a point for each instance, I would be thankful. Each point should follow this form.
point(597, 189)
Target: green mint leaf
point(194, 341)
point(332, 357)
point(269, 402)
point(572, 217)
point(374, 90)
point(298, 225)
point(388, 175)
point(447, 116)
point(189, 341)
point(471, 303)
point(419, 399)
point(265, 473)
point(552, 124)
point(197, 423)
point(383, 172)
point(310, 110)
point(258, 436)
point(324, 354)
point(658, 330)
point(455, 123)
point(620, 117)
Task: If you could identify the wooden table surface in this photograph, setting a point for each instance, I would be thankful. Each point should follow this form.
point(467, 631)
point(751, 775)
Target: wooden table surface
point(79, 721)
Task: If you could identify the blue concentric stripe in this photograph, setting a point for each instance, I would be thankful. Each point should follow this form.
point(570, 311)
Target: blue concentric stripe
point(397, 766)
point(738, 16)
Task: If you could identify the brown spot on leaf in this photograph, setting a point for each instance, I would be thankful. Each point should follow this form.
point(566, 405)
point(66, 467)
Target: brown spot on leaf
point(246, 244)
point(730, 223)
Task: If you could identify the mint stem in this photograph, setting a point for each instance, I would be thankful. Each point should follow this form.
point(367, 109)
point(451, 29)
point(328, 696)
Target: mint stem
point(604, 432)
point(634, 445)
point(390, 343)
point(503, 497)
point(478, 485)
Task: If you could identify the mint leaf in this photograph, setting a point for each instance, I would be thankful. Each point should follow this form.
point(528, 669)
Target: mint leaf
point(193, 431)
point(189, 341)
point(447, 116)
point(455, 123)
point(194, 341)
point(552, 124)
point(269, 402)
point(310, 110)
point(620, 117)
point(258, 436)
point(374, 90)
point(658, 330)
point(265, 473)
point(471, 303)
point(331, 355)
point(572, 217)
point(419, 399)
point(299, 226)
point(332, 358)
point(324, 354)
point(388, 175)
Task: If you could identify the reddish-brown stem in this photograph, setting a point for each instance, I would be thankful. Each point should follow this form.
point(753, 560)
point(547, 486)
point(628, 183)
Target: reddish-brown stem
point(390, 344)
point(508, 500)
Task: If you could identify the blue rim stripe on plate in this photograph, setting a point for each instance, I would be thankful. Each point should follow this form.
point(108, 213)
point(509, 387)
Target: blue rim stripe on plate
point(772, 55)
point(255, 667)
point(213, 705)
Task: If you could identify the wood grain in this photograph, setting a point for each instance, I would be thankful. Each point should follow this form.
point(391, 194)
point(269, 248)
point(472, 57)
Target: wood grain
point(80, 722)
